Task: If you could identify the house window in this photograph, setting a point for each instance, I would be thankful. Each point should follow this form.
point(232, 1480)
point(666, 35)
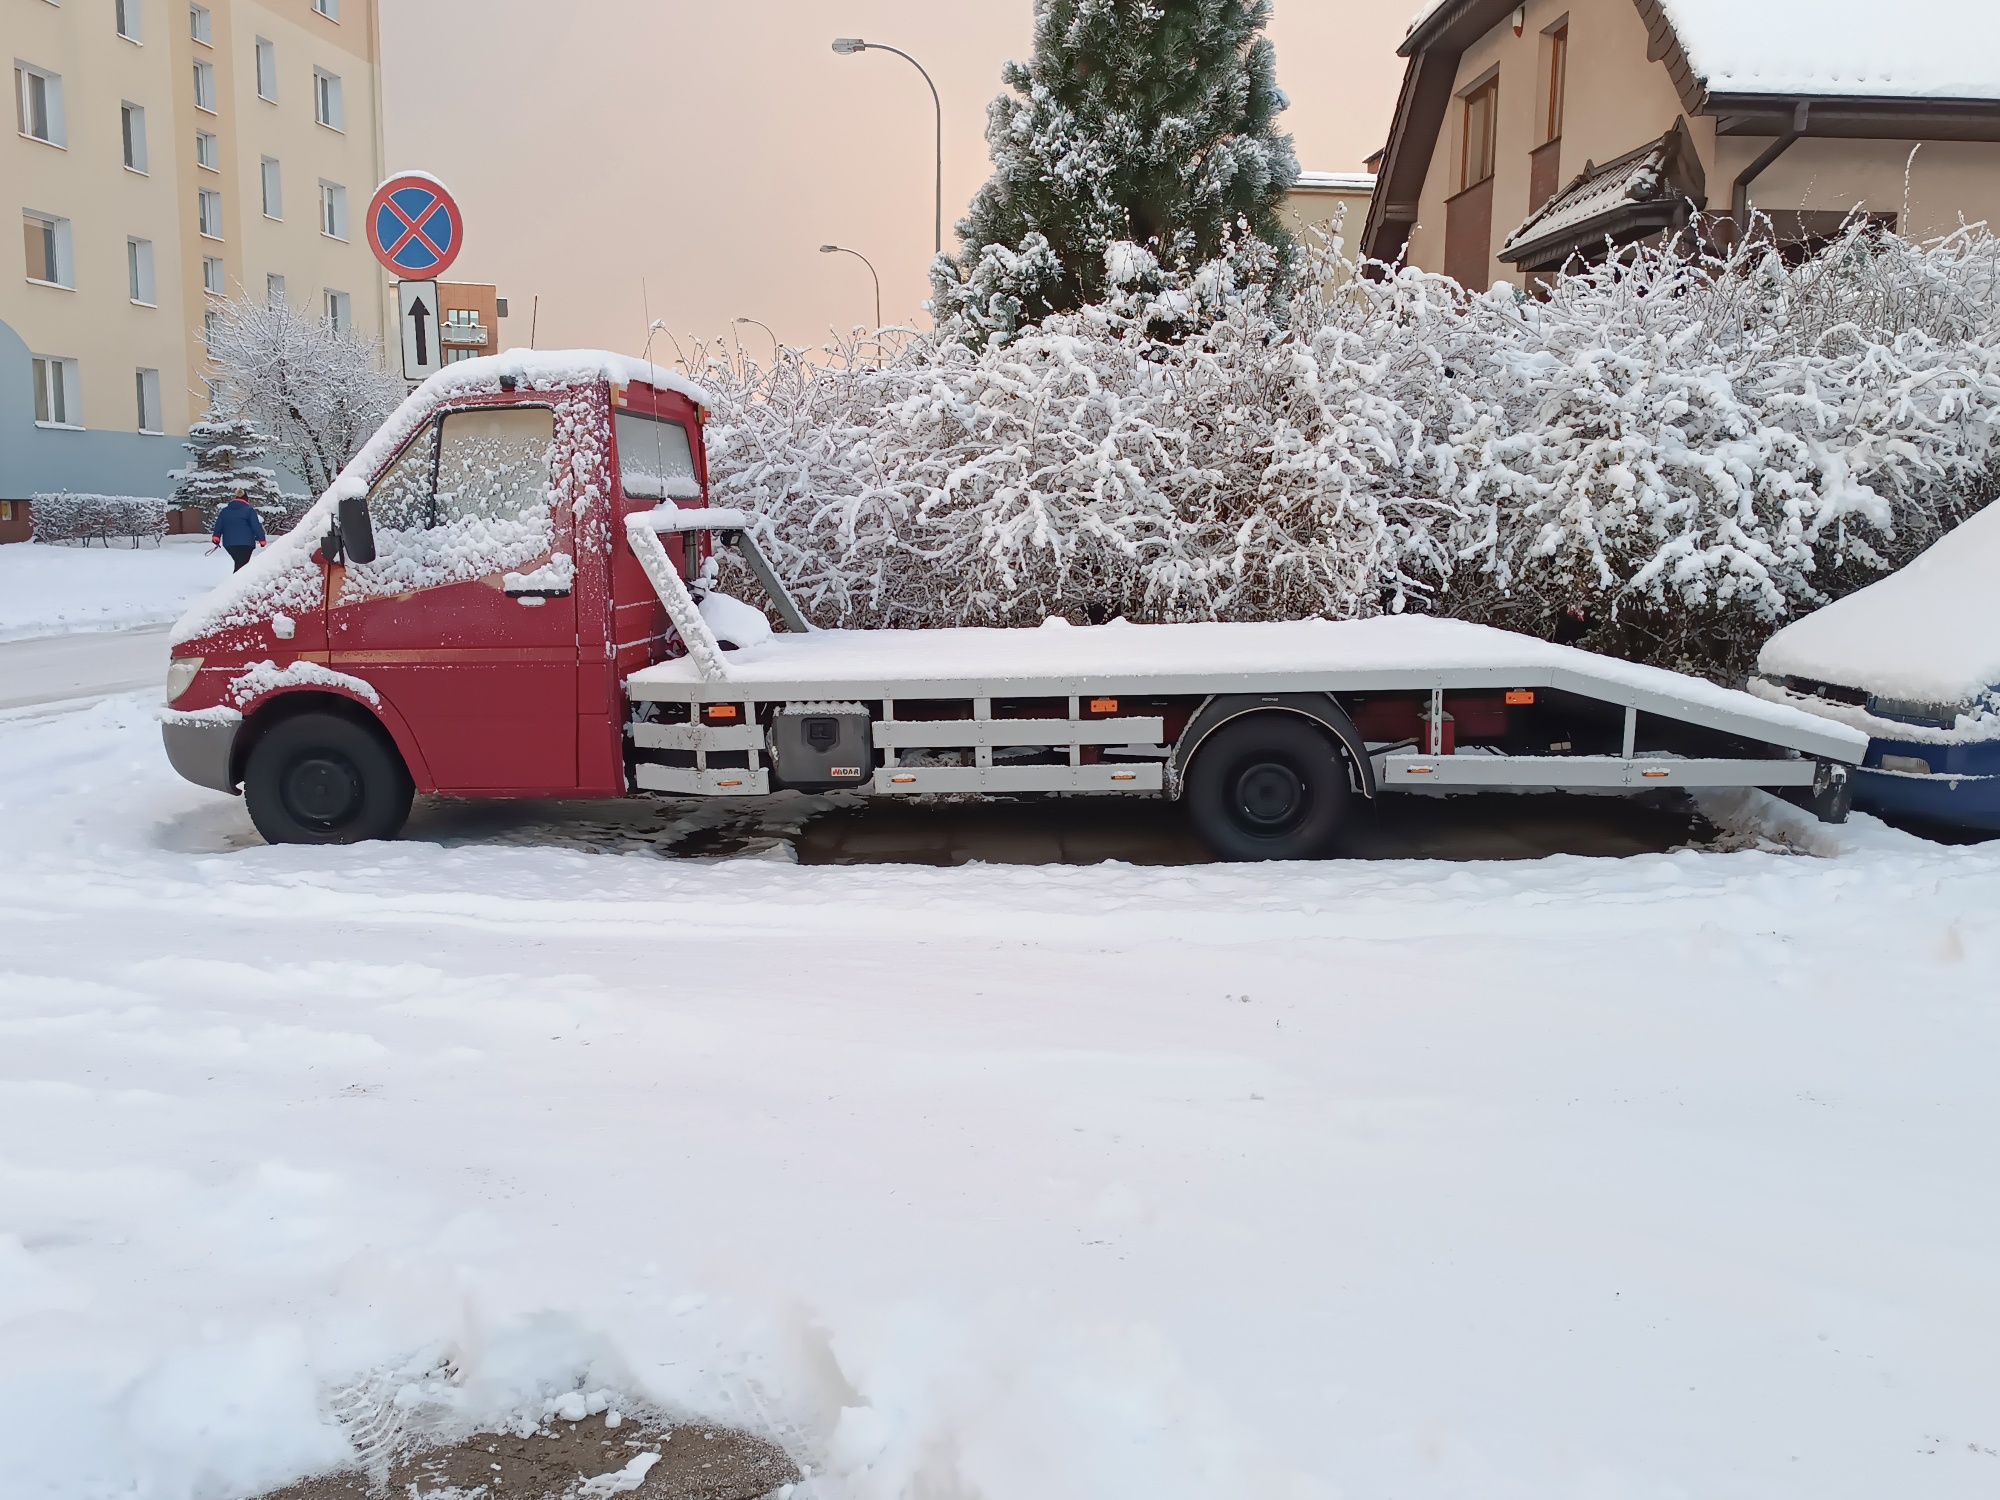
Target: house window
point(329, 107)
point(462, 317)
point(128, 18)
point(38, 104)
point(146, 387)
point(212, 275)
point(207, 152)
point(139, 272)
point(273, 187)
point(328, 8)
point(267, 70)
point(56, 397)
point(333, 210)
point(211, 325)
point(1482, 115)
point(1557, 74)
point(201, 25)
point(274, 290)
point(208, 213)
point(51, 249)
point(453, 356)
point(204, 87)
point(132, 126)
point(339, 312)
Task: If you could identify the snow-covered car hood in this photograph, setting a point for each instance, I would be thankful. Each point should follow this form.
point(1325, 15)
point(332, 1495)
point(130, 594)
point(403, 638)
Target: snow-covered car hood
point(1928, 634)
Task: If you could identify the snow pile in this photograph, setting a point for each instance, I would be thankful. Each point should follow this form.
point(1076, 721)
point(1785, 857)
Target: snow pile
point(262, 677)
point(1943, 49)
point(1929, 634)
point(55, 590)
point(1665, 460)
point(67, 517)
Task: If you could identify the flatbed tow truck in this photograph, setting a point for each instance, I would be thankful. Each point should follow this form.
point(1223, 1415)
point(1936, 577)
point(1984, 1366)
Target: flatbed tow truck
point(509, 594)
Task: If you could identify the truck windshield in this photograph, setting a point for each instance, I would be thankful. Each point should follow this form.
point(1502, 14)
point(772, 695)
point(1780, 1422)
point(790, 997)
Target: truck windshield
point(655, 458)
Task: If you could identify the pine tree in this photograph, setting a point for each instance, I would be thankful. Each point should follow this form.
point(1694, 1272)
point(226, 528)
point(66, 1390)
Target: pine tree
point(226, 450)
point(1148, 121)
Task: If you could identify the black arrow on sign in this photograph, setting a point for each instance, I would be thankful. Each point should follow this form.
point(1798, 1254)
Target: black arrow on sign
point(419, 314)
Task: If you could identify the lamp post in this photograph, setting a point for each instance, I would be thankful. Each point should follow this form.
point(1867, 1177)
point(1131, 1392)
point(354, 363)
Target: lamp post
point(777, 351)
point(843, 250)
point(847, 46)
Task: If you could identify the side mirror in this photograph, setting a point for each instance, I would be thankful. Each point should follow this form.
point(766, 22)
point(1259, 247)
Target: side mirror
point(357, 529)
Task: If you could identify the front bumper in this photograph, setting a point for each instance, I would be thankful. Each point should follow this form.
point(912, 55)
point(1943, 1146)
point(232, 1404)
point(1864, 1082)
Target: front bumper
point(201, 750)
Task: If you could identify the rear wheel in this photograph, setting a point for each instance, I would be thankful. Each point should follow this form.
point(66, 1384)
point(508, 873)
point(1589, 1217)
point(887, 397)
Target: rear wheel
point(1268, 787)
point(323, 779)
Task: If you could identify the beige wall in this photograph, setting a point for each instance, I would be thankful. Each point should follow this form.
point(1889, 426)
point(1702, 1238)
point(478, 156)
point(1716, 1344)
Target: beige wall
point(1947, 180)
point(98, 324)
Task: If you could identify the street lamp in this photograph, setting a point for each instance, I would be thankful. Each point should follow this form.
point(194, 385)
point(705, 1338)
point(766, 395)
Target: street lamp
point(777, 351)
point(847, 46)
point(843, 250)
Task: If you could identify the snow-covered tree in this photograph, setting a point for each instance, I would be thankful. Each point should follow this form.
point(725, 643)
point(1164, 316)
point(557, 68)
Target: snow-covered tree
point(224, 465)
point(1151, 122)
point(316, 391)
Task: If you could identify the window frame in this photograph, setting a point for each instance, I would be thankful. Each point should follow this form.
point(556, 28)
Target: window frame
point(122, 13)
point(333, 210)
point(1555, 83)
point(131, 131)
point(212, 160)
point(143, 393)
point(55, 117)
point(141, 271)
point(329, 104)
point(271, 188)
point(265, 51)
point(202, 198)
point(337, 307)
point(274, 281)
point(221, 287)
point(201, 25)
point(60, 254)
point(204, 70)
point(330, 9)
point(1482, 97)
point(57, 384)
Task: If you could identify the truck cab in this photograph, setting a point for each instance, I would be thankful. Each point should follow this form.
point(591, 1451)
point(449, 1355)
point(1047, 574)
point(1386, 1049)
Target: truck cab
point(475, 643)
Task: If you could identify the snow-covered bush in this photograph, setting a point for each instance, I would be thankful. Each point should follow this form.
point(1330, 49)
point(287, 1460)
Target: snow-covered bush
point(66, 517)
point(1664, 458)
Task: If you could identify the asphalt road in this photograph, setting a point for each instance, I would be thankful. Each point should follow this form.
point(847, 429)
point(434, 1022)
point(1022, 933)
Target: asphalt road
point(67, 669)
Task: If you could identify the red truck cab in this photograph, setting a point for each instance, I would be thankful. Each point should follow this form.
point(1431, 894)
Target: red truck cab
point(481, 650)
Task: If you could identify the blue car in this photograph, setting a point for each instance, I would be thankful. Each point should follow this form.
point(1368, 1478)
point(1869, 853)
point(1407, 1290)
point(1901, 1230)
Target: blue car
point(1914, 660)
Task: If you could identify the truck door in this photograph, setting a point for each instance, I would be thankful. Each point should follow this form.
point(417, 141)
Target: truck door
point(466, 619)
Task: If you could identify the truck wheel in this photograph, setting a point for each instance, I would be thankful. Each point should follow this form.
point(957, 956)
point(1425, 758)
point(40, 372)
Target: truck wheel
point(323, 779)
point(1268, 787)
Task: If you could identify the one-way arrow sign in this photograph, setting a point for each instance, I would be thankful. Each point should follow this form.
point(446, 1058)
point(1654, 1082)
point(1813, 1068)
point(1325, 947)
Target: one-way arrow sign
point(417, 318)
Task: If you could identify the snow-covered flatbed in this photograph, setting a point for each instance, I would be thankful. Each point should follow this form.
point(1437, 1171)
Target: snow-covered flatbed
point(1398, 652)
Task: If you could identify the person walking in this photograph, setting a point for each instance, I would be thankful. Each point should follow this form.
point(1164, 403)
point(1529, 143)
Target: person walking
point(239, 530)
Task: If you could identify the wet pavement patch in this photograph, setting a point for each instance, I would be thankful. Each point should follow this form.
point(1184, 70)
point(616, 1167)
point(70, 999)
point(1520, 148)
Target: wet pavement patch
point(591, 1459)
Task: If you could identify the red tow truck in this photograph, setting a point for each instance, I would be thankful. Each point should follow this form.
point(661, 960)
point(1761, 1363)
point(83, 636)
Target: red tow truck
point(509, 594)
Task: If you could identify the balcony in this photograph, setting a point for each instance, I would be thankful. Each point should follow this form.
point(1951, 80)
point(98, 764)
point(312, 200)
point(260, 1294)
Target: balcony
point(466, 335)
point(1468, 237)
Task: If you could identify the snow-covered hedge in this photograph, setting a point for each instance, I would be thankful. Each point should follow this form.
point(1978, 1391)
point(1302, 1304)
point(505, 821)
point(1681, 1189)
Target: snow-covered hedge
point(1665, 458)
point(66, 517)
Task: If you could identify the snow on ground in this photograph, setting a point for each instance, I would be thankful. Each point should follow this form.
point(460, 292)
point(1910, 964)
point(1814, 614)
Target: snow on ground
point(53, 590)
point(1656, 1177)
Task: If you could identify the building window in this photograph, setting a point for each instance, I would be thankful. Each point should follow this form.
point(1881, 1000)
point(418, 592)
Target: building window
point(267, 70)
point(128, 18)
point(339, 312)
point(132, 124)
point(212, 275)
point(207, 152)
point(208, 213)
point(274, 290)
point(329, 108)
point(1482, 115)
point(1557, 75)
point(204, 87)
point(56, 398)
point(274, 189)
point(453, 356)
point(38, 104)
point(211, 325)
point(333, 210)
point(201, 25)
point(328, 8)
point(51, 249)
point(146, 386)
point(139, 272)
point(211, 394)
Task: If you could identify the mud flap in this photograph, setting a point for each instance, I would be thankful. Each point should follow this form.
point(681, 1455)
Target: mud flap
point(1831, 796)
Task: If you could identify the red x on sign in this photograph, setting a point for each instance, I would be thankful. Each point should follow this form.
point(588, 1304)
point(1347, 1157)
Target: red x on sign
point(414, 226)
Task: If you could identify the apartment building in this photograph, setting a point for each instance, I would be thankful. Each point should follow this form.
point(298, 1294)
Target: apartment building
point(1532, 136)
point(167, 154)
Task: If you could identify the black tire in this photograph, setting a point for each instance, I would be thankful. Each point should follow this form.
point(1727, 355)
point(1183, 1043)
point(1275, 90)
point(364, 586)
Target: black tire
point(1271, 786)
point(322, 779)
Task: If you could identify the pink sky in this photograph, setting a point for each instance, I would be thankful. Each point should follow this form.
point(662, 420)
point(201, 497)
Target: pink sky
point(710, 149)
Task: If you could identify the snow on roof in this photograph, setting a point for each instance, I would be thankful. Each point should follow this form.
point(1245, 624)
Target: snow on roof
point(1935, 49)
point(1929, 634)
point(1337, 182)
point(1638, 178)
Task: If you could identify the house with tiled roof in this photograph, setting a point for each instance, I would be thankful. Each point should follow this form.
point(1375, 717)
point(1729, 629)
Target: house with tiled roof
point(1530, 136)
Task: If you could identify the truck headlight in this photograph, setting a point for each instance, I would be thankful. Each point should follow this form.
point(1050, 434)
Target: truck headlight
point(180, 676)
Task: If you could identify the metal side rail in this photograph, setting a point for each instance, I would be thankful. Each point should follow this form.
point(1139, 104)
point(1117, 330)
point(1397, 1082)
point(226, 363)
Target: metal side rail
point(1405, 769)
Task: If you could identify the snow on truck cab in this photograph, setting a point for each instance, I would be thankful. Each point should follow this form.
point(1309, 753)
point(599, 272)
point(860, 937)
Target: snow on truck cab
point(504, 595)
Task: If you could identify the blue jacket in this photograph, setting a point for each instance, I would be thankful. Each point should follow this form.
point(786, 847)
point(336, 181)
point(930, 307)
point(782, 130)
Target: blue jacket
point(237, 524)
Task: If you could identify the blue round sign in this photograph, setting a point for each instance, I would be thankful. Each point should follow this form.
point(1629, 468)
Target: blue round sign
point(414, 227)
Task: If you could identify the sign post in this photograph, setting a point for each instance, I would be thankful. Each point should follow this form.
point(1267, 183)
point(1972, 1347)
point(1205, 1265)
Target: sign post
point(417, 321)
point(416, 232)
